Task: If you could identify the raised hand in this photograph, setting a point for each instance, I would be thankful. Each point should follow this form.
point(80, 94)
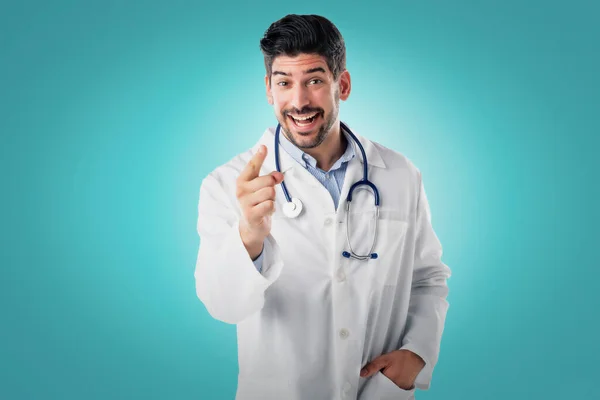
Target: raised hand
point(256, 196)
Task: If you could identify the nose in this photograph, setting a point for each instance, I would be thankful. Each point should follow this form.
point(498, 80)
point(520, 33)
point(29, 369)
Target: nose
point(300, 98)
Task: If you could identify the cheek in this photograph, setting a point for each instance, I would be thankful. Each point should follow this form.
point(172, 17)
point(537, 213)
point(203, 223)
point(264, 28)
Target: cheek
point(324, 98)
point(279, 104)
point(278, 107)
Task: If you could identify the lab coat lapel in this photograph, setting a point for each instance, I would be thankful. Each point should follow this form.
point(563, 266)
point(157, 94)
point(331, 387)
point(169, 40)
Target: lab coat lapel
point(353, 174)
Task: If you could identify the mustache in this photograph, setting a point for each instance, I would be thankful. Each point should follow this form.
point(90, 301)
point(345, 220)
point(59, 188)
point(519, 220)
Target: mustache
point(304, 111)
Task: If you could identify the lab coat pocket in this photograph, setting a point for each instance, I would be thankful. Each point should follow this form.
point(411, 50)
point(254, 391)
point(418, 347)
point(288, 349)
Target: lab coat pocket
point(390, 248)
point(380, 387)
point(389, 232)
point(389, 390)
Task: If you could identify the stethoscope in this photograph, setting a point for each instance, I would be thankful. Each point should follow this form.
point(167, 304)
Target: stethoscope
point(293, 207)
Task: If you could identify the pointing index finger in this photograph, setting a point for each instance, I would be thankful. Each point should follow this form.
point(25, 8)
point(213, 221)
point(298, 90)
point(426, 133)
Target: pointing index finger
point(253, 167)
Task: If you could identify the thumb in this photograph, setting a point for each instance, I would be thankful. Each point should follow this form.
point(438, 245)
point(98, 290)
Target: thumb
point(278, 176)
point(375, 365)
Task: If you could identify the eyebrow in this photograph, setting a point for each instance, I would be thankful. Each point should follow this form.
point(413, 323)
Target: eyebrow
point(308, 71)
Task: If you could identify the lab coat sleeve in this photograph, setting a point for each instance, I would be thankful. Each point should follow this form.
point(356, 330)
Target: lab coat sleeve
point(227, 281)
point(428, 304)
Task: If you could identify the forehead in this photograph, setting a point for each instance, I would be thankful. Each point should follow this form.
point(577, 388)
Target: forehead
point(299, 64)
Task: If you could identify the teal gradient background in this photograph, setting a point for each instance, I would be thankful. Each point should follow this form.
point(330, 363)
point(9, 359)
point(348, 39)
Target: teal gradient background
point(113, 112)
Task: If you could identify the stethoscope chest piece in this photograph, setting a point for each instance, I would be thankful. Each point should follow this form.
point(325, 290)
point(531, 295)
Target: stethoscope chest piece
point(292, 209)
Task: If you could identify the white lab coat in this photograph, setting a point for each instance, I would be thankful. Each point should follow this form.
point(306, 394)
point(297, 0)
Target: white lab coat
point(309, 322)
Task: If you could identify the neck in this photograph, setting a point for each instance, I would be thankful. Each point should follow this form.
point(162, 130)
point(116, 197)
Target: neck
point(332, 148)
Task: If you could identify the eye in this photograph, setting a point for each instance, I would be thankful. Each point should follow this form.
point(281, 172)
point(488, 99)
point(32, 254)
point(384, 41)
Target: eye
point(314, 81)
point(282, 83)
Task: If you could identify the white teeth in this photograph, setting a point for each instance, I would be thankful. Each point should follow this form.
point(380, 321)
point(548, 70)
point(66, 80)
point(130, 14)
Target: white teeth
point(303, 119)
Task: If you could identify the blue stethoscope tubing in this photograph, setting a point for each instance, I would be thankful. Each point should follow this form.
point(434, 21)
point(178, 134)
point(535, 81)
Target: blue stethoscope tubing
point(295, 205)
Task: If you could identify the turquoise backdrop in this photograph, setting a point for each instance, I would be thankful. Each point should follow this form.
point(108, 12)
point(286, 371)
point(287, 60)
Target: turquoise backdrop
point(113, 112)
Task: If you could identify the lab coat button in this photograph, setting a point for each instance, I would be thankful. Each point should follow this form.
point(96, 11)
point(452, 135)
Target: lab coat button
point(341, 276)
point(344, 333)
point(328, 221)
point(346, 388)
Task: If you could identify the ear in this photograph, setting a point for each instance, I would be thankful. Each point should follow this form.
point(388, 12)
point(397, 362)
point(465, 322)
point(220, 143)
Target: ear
point(345, 85)
point(268, 86)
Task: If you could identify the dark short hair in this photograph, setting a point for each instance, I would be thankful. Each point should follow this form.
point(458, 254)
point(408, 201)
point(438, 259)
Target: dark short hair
point(310, 34)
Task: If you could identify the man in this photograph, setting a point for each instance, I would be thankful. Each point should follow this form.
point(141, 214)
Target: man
point(312, 323)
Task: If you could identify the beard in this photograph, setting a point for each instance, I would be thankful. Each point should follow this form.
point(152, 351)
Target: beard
point(303, 140)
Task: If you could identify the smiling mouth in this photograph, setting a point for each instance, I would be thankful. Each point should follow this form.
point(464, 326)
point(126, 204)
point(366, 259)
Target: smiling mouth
point(304, 121)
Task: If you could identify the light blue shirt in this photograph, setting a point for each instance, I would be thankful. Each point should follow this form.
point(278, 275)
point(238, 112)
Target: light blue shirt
point(332, 179)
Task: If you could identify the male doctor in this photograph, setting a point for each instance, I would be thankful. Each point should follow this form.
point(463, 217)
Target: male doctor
point(311, 323)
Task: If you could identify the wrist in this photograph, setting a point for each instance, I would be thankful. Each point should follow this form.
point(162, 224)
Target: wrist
point(417, 362)
point(253, 244)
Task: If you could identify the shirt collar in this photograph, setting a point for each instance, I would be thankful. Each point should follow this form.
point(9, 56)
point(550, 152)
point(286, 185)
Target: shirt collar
point(306, 159)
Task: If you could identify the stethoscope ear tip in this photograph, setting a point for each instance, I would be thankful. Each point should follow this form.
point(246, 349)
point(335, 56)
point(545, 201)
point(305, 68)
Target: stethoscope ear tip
point(374, 256)
point(346, 254)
